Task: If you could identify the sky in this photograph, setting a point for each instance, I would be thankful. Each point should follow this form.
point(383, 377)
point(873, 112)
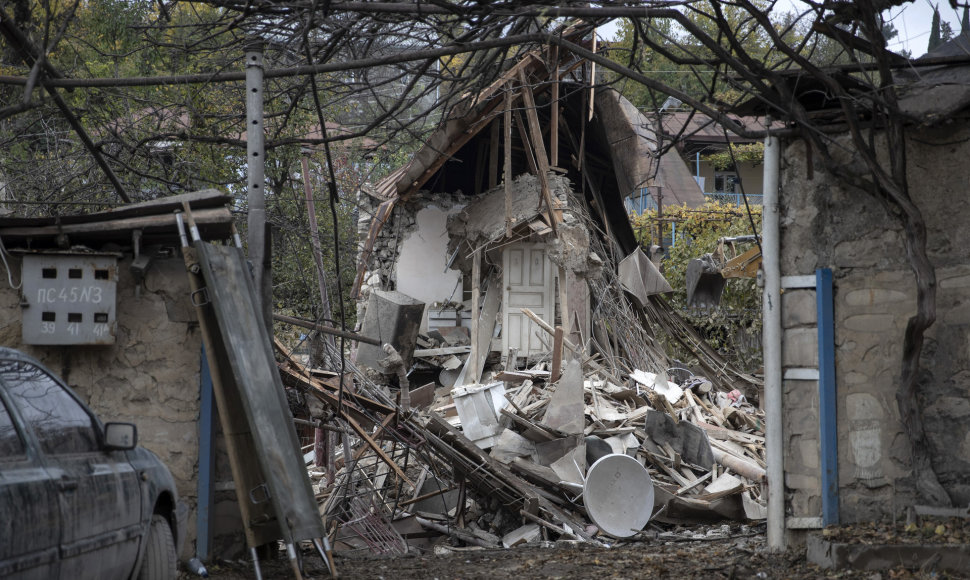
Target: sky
point(912, 20)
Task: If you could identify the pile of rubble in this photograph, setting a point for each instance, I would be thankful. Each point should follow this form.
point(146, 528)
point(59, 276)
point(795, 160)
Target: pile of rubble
point(527, 455)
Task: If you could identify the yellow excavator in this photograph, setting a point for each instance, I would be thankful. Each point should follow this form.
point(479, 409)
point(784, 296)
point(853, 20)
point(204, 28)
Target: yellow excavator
point(707, 275)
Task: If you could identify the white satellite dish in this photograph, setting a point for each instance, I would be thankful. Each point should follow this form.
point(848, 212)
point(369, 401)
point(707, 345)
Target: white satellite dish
point(618, 495)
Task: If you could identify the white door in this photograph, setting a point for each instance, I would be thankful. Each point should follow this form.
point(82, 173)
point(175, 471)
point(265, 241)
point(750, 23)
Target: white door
point(528, 283)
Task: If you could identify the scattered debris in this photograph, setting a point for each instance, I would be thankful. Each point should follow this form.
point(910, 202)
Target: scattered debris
point(513, 460)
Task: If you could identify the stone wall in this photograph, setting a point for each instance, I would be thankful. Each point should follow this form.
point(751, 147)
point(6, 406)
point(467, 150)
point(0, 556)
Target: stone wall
point(827, 226)
point(149, 377)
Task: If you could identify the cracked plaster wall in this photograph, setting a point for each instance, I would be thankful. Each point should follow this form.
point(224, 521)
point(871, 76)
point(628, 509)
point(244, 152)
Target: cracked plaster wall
point(827, 226)
point(396, 260)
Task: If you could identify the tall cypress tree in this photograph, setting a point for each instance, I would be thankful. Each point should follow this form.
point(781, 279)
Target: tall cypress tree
point(935, 39)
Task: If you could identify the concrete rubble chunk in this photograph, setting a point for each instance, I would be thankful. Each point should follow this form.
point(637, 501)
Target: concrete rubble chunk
point(687, 439)
point(524, 535)
point(641, 278)
point(566, 407)
point(509, 445)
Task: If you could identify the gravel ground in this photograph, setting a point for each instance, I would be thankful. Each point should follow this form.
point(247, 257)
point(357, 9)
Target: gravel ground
point(703, 553)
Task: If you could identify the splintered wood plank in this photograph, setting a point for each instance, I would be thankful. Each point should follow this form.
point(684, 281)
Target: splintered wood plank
point(507, 127)
point(542, 161)
point(493, 155)
point(556, 355)
point(554, 127)
point(486, 327)
point(362, 433)
point(526, 143)
point(472, 377)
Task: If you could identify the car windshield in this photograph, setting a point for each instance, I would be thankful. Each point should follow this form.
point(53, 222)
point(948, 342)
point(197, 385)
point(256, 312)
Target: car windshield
point(59, 422)
point(10, 443)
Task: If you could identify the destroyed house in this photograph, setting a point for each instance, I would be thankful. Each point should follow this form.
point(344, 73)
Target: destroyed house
point(501, 260)
point(517, 179)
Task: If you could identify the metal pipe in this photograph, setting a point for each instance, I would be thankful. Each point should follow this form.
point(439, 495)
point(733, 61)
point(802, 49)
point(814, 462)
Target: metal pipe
point(771, 264)
point(326, 329)
point(181, 227)
point(255, 169)
point(255, 557)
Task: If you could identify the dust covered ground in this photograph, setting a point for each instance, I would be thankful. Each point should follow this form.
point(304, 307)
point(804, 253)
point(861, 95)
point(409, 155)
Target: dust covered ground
point(705, 555)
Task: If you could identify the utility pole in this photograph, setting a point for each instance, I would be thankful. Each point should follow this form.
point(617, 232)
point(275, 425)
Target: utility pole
point(257, 235)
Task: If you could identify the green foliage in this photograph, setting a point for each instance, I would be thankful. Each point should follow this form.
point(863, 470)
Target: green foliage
point(162, 140)
point(703, 82)
point(734, 328)
point(753, 153)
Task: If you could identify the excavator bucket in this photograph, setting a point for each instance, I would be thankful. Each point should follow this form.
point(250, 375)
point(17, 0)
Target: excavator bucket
point(704, 282)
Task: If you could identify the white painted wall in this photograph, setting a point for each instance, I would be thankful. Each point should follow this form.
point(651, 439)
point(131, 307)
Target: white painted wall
point(421, 271)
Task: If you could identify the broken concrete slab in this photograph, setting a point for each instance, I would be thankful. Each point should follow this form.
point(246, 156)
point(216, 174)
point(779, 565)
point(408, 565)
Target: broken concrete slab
point(687, 439)
point(623, 443)
point(524, 535)
point(753, 509)
point(566, 407)
point(724, 482)
point(570, 467)
point(548, 452)
point(509, 445)
point(641, 278)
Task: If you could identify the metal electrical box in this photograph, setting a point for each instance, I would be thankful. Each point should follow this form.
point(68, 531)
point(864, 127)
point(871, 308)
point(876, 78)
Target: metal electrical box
point(69, 298)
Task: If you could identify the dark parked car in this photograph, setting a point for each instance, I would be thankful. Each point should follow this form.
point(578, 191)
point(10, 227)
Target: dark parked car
point(78, 499)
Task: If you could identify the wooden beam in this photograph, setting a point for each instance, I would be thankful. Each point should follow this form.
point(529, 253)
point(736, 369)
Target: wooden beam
point(163, 222)
point(556, 354)
point(325, 329)
point(508, 160)
point(526, 143)
point(362, 433)
point(420, 352)
point(554, 126)
point(410, 183)
point(592, 82)
point(493, 142)
point(572, 347)
point(471, 378)
point(542, 162)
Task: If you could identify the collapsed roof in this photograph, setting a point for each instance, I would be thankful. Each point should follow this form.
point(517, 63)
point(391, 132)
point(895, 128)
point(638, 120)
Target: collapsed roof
point(607, 155)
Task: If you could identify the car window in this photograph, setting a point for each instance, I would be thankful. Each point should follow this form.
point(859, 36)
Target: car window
point(10, 443)
point(59, 422)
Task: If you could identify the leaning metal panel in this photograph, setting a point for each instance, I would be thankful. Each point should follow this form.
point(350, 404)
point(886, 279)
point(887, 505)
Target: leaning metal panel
point(251, 368)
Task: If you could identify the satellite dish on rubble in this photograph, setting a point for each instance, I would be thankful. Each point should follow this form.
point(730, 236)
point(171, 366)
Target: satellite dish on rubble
point(618, 495)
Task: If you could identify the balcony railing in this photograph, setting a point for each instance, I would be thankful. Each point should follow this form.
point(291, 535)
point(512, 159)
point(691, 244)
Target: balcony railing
point(735, 199)
point(643, 201)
